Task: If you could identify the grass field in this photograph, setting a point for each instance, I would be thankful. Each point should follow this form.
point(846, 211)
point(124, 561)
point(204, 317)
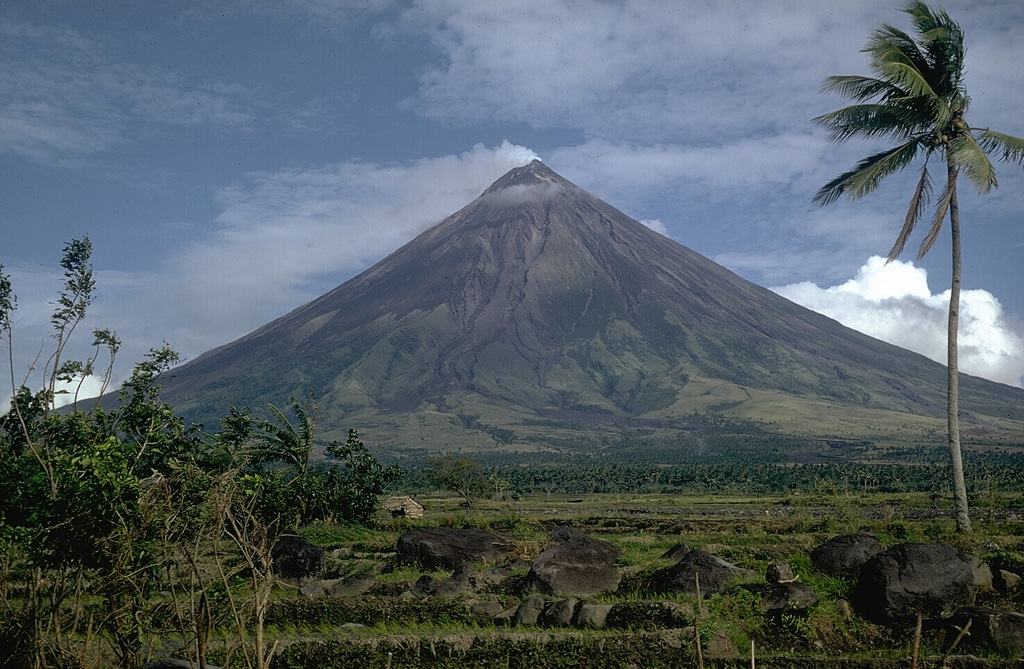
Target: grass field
point(390, 626)
point(749, 531)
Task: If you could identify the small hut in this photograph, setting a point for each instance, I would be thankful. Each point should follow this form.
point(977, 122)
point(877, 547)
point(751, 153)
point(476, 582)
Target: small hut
point(403, 506)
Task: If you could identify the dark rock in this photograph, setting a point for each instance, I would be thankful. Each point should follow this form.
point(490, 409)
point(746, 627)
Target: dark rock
point(649, 615)
point(1008, 580)
point(676, 553)
point(484, 612)
point(447, 548)
point(990, 629)
point(294, 557)
point(559, 613)
point(338, 587)
point(424, 585)
point(506, 617)
point(714, 572)
point(789, 597)
point(312, 589)
point(982, 574)
point(574, 565)
point(501, 576)
point(844, 555)
point(462, 582)
point(351, 586)
point(779, 572)
point(592, 615)
point(529, 611)
point(932, 580)
point(721, 646)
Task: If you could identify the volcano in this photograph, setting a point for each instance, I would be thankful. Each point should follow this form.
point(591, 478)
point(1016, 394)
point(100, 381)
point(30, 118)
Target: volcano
point(540, 318)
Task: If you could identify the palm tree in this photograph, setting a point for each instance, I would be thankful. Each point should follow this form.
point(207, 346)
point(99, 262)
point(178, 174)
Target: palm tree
point(285, 442)
point(917, 97)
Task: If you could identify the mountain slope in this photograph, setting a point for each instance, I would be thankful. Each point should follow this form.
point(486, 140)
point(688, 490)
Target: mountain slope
point(539, 312)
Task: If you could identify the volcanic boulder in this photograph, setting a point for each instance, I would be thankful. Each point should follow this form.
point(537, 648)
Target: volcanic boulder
point(294, 557)
point(447, 548)
point(991, 629)
point(933, 580)
point(574, 565)
point(844, 555)
point(713, 572)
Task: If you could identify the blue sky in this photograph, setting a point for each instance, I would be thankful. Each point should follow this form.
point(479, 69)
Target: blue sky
point(233, 159)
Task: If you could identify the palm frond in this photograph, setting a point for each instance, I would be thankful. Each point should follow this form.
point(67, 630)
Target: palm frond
point(896, 57)
point(308, 414)
point(867, 174)
point(940, 216)
point(1012, 148)
point(943, 42)
point(855, 87)
point(873, 120)
point(973, 162)
point(279, 441)
point(917, 206)
point(888, 43)
point(919, 85)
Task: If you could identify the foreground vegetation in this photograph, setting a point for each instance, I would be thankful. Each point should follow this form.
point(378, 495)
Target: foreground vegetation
point(117, 521)
point(184, 610)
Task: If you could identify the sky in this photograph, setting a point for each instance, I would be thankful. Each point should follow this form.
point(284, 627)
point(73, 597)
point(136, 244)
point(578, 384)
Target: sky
point(233, 159)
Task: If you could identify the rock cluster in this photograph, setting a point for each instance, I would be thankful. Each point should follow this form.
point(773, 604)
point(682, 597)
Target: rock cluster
point(891, 586)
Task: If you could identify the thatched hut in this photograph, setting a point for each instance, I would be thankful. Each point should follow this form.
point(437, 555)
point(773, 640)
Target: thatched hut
point(403, 506)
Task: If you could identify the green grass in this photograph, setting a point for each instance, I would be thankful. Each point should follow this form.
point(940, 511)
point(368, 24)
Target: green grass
point(433, 631)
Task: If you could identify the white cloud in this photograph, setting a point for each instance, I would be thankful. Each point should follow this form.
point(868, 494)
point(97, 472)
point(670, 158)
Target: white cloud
point(736, 167)
point(665, 71)
point(894, 303)
point(638, 69)
point(656, 225)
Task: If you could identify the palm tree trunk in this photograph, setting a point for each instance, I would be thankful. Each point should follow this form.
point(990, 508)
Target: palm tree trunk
point(963, 520)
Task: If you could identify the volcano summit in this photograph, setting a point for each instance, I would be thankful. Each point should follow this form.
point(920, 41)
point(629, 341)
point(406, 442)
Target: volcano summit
point(539, 317)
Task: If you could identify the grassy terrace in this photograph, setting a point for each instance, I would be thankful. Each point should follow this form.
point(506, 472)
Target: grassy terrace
point(749, 531)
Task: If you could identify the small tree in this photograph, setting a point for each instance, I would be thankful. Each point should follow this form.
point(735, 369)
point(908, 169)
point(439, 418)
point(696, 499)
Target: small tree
point(461, 475)
point(354, 487)
point(282, 441)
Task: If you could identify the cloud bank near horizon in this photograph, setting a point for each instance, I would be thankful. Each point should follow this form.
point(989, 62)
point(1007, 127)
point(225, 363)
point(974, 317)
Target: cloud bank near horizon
point(894, 303)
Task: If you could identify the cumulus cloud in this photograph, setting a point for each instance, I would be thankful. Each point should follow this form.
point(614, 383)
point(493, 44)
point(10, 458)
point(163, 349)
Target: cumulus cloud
point(638, 69)
point(894, 303)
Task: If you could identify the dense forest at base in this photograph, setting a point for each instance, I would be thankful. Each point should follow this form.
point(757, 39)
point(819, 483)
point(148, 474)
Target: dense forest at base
point(986, 475)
